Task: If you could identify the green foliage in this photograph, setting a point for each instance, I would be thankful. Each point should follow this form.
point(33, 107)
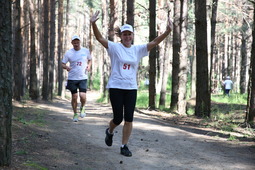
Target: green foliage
point(25, 98)
point(34, 165)
point(228, 13)
point(37, 120)
point(103, 99)
point(226, 115)
point(232, 138)
point(228, 128)
point(142, 99)
point(96, 81)
point(21, 152)
point(143, 87)
point(190, 111)
point(25, 116)
point(234, 98)
point(90, 3)
point(169, 83)
point(188, 86)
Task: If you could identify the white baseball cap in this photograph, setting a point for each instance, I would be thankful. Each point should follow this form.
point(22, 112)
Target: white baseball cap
point(75, 37)
point(126, 27)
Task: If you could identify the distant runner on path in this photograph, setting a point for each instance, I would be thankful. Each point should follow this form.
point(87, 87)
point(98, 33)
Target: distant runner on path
point(80, 64)
point(228, 85)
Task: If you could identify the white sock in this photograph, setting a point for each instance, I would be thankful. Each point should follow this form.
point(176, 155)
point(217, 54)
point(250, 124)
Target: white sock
point(110, 132)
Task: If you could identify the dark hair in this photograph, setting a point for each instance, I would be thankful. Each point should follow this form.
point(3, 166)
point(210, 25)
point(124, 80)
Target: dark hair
point(117, 31)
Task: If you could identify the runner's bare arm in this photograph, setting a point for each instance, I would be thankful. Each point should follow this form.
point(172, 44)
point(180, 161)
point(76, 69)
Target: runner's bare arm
point(160, 38)
point(98, 35)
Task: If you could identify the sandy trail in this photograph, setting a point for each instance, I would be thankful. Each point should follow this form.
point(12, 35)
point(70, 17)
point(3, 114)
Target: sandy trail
point(155, 144)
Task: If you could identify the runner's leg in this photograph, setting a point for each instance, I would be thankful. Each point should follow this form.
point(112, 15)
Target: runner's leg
point(129, 108)
point(126, 131)
point(83, 98)
point(74, 102)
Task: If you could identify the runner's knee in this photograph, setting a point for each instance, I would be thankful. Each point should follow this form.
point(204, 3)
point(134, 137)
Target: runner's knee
point(117, 121)
point(74, 96)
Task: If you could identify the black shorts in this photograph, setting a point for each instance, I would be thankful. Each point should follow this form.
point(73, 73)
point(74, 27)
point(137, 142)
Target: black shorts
point(123, 104)
point(73, 85)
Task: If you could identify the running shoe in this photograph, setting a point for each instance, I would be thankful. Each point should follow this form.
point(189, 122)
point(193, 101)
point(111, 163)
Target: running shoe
point(82, 113)
point(125, 151)
point(75, 117)
point(108, 137)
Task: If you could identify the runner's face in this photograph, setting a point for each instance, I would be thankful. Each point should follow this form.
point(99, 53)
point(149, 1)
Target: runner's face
point(127, 38)
point(76, 44)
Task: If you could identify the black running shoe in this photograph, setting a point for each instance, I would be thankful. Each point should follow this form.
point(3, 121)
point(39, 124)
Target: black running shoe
point(125, 151)
point(108, 137)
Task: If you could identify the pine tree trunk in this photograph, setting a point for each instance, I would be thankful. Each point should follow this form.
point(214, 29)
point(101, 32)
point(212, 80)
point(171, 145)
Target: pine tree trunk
point(203, 102)
point(243, 58)
point(95, 64)
point(60, 46)
point(45, 87)
point(225, 57)
point(165, 72)
point(130, 12)
point(33, 88)
point(193, 73)
point(176, 55)
point(213, 77)
point(102, 56)
point(209, 41)
point(112, 19)
point(105, 66)
point(17, 57)
point(124, 2)
point(152, 56)
point(6, 83)
point(26, 49)
point(164, 56)
point(230, 57)
point(52, 47)
point(182, 76)
point(250, 118)
point(66, 34)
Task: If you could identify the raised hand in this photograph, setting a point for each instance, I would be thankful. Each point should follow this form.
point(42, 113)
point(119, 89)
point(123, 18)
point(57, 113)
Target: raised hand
point(94, 17)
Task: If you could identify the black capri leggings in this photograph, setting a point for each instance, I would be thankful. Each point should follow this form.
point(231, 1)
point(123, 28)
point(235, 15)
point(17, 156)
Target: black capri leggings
point(122, 100)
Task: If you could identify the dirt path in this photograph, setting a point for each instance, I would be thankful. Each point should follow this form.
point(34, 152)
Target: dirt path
point(156, 144)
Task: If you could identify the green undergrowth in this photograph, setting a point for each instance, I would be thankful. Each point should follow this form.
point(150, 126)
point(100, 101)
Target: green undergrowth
point(29, 116)
point(34, 165)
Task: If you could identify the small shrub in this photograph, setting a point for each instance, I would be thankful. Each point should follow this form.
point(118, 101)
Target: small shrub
point(21, 152)
point(142, 100)
point(34, 165)
point(190, 111)
point(96, 81)
point(232, 138)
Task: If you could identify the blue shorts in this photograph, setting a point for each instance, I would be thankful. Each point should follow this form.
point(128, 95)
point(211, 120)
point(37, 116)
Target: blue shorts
point(73, 85)
point(227, 91)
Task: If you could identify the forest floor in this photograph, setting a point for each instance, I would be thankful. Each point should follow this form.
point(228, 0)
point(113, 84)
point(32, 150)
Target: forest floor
point(45, 137)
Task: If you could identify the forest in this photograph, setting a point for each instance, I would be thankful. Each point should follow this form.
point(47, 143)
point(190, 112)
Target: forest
point(210, 40)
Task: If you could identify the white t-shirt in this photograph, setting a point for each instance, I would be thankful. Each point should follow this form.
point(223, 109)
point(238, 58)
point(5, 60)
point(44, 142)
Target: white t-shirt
point(228, 84)
point(78, 62)
point(124, 64)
